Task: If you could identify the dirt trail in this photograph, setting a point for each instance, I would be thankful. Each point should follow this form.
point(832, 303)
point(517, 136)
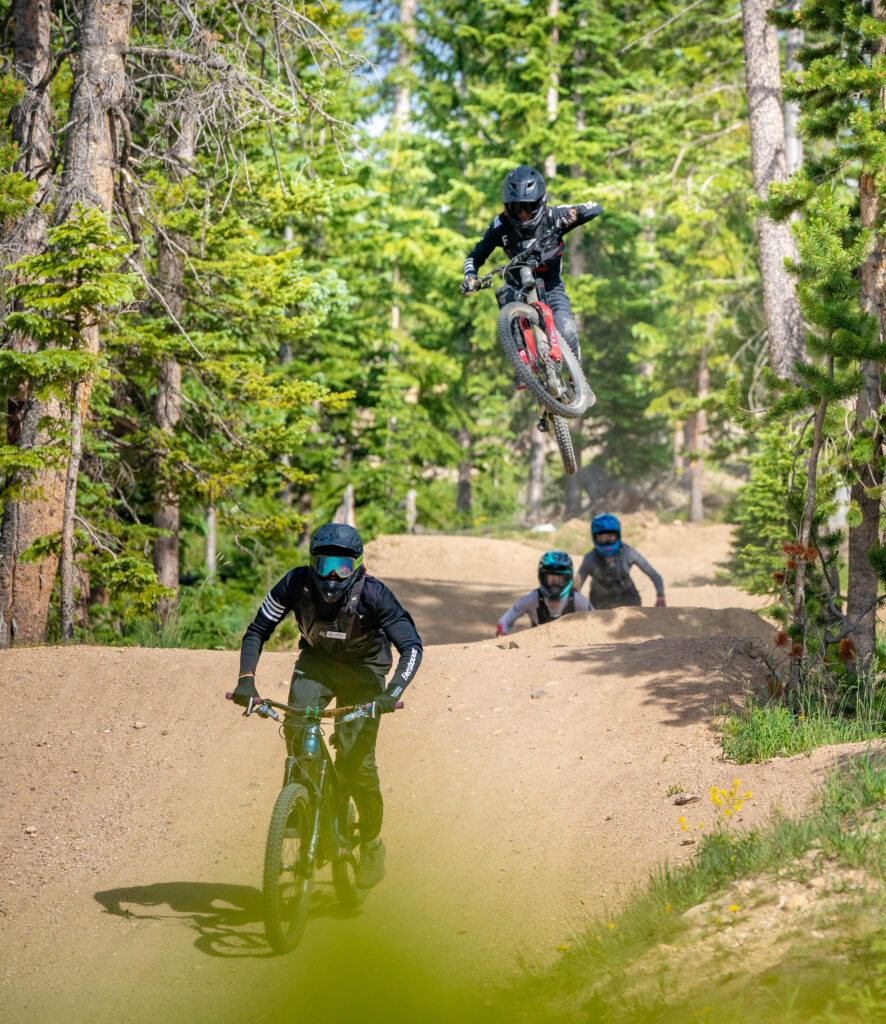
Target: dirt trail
point(526, 784)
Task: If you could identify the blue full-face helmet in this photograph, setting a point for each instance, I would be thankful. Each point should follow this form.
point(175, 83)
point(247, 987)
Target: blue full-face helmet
point(555, 575)
point(606, 531)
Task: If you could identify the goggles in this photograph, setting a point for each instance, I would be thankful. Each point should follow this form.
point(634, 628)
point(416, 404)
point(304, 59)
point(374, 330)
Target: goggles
point(339, 567)
point(607, 537)
point(556, 579)
point(526, 207)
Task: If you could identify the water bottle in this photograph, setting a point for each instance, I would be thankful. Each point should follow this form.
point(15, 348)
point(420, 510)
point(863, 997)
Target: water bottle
point(310, 745)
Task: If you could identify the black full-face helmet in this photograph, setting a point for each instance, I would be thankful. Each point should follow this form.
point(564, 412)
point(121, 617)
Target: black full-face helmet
point(336, 560)
point(524, 192)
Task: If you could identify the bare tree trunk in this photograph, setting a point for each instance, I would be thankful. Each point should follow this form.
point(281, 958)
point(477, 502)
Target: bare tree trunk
point(88, 178)
point(784, 322)
point(34, 507)
point(167, 409)
point(66, 559)
point(405, 49)
point(793, 144)
point(862, 589)
point(538, 449)
point(552, 99)
point(463, 499)
point(800, 619)
point(210, 548)
point(699, 442)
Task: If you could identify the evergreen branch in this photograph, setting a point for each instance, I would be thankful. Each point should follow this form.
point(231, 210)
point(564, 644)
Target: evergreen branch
point(159, 295)
point(663, 25)
point(703, 138)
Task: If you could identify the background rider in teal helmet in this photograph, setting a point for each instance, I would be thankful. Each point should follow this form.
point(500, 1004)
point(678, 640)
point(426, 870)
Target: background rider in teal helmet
point(553, 597)
point(609, 565)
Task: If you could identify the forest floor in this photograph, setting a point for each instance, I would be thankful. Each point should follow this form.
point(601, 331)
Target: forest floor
point(528, 782)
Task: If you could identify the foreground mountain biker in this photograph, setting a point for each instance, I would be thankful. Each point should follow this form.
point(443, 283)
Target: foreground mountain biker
point(609, 564)
point(527, 217)
point(553, 597)
point(348, 621)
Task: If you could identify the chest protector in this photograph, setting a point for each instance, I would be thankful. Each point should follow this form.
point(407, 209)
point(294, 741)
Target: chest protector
point(544, 613)
point(345, 635)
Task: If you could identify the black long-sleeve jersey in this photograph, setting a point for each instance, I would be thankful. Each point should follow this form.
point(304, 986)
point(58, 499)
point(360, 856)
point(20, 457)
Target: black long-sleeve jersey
point(361, 630)
point(502, 234)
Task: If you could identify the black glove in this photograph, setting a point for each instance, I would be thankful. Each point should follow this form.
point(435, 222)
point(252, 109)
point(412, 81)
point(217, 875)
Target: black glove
point(387, 702)
point(245, 690)
point(566, 219)
point(470, 284)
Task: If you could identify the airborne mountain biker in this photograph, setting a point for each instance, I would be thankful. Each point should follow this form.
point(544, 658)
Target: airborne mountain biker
point(553, 597)
point(609, 564)
point(527, 217)
point(348, 621)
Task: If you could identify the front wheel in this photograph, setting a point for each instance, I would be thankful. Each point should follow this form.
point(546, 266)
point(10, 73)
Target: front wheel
point(344, 858)
point(559, 385)
point(564, 443)
point(286, 889)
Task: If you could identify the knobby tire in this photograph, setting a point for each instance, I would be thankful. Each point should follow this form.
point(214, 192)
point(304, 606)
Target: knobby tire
point(509, 338)
point(345, 859)
point(286, 888)
point(564, 443)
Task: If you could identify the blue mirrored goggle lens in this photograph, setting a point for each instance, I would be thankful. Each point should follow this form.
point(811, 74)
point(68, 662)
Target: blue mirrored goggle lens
point(340, 566)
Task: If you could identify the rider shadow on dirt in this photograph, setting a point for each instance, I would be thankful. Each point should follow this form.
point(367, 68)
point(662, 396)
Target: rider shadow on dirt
point(227, 918)
point(689, 679)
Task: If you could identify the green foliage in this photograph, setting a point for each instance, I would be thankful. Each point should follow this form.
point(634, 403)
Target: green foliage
point(15, 189)
point(817, 719)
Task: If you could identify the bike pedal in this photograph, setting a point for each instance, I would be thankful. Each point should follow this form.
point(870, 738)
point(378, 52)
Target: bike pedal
point(543, 425)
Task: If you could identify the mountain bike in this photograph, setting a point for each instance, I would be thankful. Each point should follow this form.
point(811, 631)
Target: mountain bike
point(529, 338)
point(314, 822)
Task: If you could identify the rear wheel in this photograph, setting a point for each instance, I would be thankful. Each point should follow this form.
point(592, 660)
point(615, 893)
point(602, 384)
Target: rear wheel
point(287, 882)
point(559, 385)
point(345, 858)
point(564, 443)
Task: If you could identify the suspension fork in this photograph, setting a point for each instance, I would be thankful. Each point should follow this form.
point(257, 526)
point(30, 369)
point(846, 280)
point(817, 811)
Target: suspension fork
point(318, 808)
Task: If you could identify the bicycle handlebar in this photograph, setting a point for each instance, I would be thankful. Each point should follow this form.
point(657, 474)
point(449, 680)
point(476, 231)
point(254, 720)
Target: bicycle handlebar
point(264, 705)
point(527, 257)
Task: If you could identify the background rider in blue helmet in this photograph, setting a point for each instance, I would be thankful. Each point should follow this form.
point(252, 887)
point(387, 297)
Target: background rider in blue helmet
point(609, 564)
point(553, 597)
point(348, 621)
point(526, 217)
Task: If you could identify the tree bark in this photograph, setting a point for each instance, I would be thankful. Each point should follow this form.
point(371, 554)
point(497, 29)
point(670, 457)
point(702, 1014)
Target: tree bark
point(88, 178)
point(66, 558)
point(863, 584)
point(33, 508)
point(167, 409)
point(793, 144)
point(800, 618)
point(464, 498)
point(210, 550)
point(781, 307)
point(402, 97)
point(538, 449)
point(698, 443)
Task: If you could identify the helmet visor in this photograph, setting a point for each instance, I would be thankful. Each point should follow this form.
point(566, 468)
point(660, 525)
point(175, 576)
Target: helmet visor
point(556, 581)
point(605, 538)
point(337, 567)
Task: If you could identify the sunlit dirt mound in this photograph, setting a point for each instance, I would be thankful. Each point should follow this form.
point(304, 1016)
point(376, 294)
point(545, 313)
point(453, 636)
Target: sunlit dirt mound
point(524, 785)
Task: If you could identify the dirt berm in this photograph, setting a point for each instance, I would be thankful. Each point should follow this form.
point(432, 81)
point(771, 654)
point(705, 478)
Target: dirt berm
point(524, 785)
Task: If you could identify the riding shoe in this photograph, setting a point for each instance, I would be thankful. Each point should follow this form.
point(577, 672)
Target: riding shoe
point(371, 869)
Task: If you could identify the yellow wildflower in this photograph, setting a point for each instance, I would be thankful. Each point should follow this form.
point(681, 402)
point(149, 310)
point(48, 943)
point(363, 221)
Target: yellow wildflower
point(734, 908)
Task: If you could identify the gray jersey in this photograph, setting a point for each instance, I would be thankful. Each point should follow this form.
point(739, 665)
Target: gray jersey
point(601, 569)
point(528, 605)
